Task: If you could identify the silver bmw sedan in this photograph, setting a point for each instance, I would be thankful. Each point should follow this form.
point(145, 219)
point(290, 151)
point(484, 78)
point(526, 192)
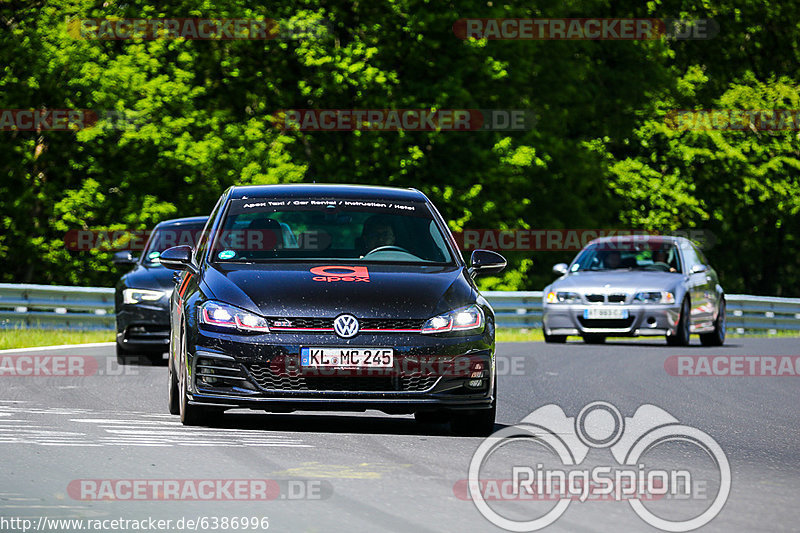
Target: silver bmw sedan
point(634, 285)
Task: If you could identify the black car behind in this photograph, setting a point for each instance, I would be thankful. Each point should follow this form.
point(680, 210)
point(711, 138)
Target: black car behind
point(142, 295)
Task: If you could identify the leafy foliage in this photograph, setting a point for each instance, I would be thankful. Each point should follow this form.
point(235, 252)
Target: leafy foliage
point(198, 118)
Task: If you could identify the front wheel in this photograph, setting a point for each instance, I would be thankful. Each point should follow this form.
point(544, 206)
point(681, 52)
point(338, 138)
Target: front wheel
point(554, 339)
point(716, 337)
point(682, 335)
point(174, 394)
point(479, 423)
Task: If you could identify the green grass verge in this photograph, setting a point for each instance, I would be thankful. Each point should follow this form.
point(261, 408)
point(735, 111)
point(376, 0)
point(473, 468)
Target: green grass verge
point(28, 338)
point(532, 335)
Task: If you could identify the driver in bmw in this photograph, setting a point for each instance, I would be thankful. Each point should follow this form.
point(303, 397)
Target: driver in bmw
point(377, 232)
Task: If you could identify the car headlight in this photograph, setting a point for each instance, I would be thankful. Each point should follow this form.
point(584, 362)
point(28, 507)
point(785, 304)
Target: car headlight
point(461, 319)
point(134, 296)
point(654, 297)
point(227, 316)
point(563, 297)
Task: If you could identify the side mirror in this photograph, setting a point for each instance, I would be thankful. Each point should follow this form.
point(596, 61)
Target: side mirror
point(696, 269)
point(124, 258)
point(178, 258)
point(560, 269)
point(483, 262)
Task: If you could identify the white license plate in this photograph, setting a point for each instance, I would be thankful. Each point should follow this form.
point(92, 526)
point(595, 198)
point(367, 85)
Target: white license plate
point(604, 312)
point(346, 357)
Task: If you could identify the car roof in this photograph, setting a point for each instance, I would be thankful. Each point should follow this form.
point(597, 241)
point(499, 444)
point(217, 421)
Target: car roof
point(322, 190)
point(177, 222)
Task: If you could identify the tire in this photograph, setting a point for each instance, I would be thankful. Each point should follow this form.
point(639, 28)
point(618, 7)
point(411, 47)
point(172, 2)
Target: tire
point(174, 395)
point(478, 423)
point(155, 358)
point(126, 357)
point(430, 417)
point(554, 339)
point(682, 335)
point(593, 338)
point(717, 337)
point(191, 415)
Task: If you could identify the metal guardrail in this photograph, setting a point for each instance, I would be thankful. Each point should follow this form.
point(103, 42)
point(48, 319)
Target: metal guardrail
point(56, 307)
point(53, 306)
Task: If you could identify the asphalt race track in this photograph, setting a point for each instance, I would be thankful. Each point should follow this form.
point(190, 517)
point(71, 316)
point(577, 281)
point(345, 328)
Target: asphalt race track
point(372, 472)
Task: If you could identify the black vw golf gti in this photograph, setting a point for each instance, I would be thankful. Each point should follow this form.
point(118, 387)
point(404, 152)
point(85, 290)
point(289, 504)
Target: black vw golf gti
point(331, 297)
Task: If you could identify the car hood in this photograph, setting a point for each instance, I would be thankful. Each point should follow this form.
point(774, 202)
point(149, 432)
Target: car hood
point(155, 277)
point(617, 280)
point(386, 291)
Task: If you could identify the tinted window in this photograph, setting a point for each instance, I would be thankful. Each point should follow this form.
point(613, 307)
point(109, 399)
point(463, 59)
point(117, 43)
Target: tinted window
point(656, 256)
point(330, 229)
point(691, 256)
point(202, 244)
point(165, 237)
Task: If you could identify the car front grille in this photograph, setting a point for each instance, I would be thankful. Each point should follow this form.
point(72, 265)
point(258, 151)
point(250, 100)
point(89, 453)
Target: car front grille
point(606, 323)
point(326, 324)
point(268, 380)
point(146, 332)
point(618, 298)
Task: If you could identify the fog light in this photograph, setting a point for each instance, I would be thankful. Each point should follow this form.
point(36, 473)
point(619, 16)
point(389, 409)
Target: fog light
point(475, 383)
point(474, 375)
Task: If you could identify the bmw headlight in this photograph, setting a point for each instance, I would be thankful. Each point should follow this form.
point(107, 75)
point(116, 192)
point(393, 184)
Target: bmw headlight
point(135, 296)
point(462, 319)
point(562, 297)
point(654, 297)
point(227, 316)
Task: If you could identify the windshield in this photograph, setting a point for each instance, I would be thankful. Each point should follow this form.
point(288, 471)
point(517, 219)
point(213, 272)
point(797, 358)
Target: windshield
point(329, 229)
point(163, 238)
point(658, 256)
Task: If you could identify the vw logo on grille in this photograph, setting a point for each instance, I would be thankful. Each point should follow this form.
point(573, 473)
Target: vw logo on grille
point(345, 326)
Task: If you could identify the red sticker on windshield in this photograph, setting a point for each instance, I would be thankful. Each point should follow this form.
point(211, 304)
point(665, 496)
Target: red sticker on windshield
point(340, 273)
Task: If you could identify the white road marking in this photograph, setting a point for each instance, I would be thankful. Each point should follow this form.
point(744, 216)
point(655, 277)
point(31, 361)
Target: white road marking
point(62, 347)
point(29, 425)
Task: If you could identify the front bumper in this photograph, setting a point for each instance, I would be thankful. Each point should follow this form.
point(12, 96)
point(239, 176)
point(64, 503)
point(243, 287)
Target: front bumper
point(263, 372)
point(143, 327)
point(642, 320)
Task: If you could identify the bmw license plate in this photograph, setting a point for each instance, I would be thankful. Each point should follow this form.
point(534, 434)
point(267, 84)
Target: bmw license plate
point(347, 357)
point(605, 312)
